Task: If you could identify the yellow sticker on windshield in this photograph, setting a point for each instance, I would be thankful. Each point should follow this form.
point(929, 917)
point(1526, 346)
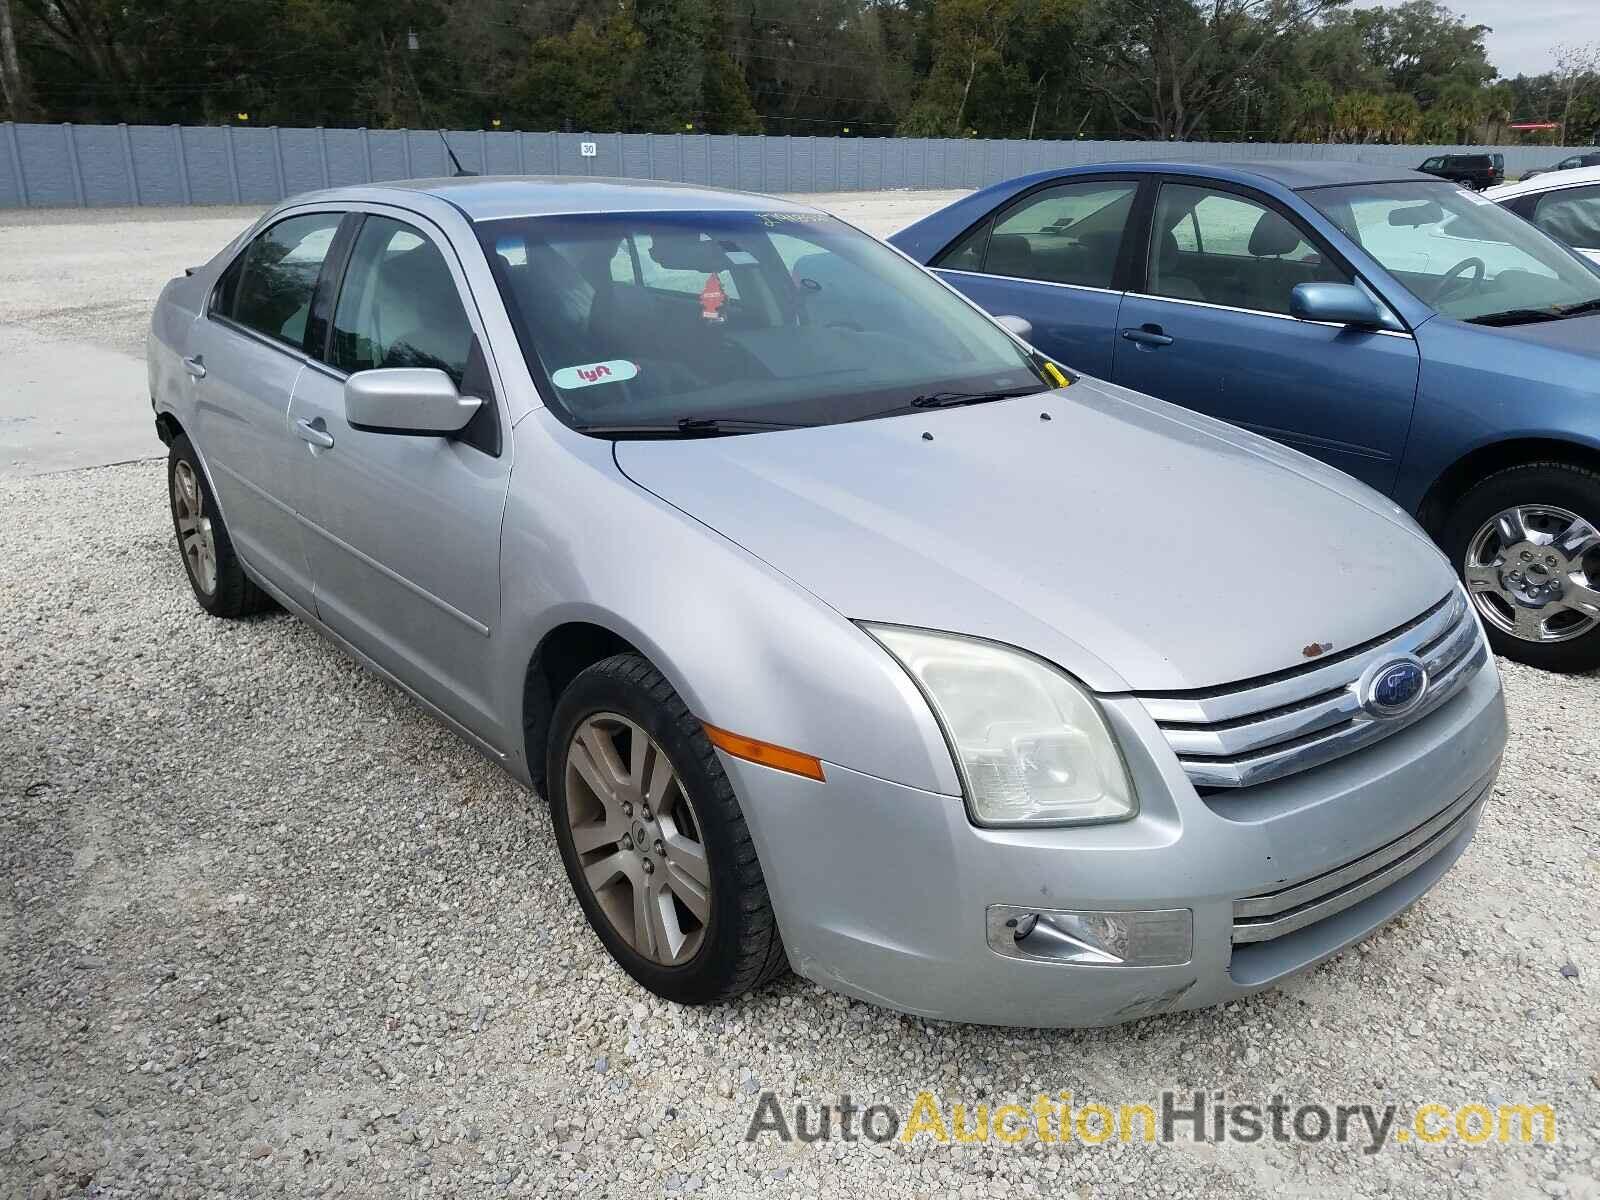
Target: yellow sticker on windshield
point(1054, 374)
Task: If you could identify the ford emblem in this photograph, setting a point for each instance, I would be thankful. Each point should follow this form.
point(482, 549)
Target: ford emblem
point(1394, 687)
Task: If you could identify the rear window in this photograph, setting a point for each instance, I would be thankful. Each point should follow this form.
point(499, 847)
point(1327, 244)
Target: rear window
point(787, 317)
point(1472, 162)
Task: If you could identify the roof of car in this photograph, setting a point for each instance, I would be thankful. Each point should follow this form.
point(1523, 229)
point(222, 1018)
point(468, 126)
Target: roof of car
point(1544, 181)
point(1288, 173)
point(1315, 173)
point(488, 197)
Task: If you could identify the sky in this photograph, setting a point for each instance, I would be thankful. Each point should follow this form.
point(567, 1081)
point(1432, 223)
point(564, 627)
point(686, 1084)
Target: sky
point(1526, 30)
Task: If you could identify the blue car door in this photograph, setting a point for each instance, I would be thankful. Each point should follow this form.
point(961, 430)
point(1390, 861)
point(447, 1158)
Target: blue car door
point(1051, 256)
point(1211, 330)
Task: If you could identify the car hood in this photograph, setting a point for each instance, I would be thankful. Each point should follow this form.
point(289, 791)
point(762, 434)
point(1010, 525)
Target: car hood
point(1576, 335)
point(1137, 545)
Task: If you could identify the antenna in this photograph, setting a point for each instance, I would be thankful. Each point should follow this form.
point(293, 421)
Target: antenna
point(460, 170)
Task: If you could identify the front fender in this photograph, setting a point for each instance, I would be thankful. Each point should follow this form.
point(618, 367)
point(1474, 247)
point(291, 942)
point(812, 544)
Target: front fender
point(746, 647)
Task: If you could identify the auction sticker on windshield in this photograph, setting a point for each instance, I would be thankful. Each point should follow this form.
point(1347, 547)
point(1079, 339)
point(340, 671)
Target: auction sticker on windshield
point(615, 371)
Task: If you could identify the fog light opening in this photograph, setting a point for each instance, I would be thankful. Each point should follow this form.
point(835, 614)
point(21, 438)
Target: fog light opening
point(1092, 937)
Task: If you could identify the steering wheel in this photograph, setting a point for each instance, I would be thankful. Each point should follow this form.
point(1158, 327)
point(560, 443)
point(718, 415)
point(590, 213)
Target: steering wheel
point(1453, 281)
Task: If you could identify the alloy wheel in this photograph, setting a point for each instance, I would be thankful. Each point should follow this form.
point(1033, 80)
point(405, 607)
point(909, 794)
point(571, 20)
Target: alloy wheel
point(1533, 572)
point(195, 537)
point(637, 839)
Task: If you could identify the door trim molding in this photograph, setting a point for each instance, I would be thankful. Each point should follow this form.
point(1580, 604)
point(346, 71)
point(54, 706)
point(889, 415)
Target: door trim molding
point(416, 589)
point(1261, 312)
point(444, 606)
point(1074, 287)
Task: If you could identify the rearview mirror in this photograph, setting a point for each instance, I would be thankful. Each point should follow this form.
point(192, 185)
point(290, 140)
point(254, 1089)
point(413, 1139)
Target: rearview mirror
point(1020, 326)
point(1335, 303)
point(413, 400)
point(1429, 212)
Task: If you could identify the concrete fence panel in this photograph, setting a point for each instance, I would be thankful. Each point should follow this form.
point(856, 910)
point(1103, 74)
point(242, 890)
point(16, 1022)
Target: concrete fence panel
point(44, 166)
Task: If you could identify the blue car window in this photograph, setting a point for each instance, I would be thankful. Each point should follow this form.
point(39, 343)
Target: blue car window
point(1071, 233)
point(1223, 248)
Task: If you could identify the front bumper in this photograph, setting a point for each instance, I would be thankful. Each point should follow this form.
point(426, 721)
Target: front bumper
point(881, 891)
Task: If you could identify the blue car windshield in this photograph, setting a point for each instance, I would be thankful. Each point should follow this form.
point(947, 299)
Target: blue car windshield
point(1461, 253)
point(778, 318)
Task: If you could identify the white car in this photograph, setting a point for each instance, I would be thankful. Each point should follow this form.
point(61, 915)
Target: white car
point(1565, 204)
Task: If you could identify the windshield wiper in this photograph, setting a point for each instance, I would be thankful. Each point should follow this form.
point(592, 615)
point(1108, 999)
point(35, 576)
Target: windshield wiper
point(956, 399)
point(1517, 316)
point(688, 427)
point(1579, 309)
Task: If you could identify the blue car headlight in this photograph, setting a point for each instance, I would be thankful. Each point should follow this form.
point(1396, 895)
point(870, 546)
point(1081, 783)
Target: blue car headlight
point(1031, 744)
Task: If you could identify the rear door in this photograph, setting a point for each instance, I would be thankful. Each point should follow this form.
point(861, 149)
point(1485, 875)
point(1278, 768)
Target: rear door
point(1211, 330)
point(1054, 256)
point(245, 354)
point(404, 530)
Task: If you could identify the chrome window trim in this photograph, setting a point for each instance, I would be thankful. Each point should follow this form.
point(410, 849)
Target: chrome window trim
point(1075, 287)
point(1261, 312)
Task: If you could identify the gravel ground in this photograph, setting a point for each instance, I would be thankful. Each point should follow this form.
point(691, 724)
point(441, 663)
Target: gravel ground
point(271, 930)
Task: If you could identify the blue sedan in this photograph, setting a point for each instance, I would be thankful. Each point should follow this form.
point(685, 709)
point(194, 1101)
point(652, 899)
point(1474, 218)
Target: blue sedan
point(1397, 326)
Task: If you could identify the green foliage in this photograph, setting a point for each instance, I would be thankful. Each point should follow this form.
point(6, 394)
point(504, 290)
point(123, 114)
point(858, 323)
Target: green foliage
point(1314, 70)
point(582, 80)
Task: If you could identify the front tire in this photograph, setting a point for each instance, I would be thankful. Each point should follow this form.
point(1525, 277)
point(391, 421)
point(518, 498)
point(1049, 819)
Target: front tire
point(653, 838)
point(214, 571)
point(1526, 542)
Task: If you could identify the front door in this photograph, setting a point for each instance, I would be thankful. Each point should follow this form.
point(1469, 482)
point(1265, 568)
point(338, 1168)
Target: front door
point(404, 531)
point(1211, 331)
point(245, 354)
point(1051, 257)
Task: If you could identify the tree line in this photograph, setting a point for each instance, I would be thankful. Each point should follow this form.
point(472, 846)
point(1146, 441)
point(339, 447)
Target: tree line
point(1292, 70)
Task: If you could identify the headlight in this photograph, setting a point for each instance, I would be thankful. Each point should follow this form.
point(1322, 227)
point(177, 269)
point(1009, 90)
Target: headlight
point(1031, 745)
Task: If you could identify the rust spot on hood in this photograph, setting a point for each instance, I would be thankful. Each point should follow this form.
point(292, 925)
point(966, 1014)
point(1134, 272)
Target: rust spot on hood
point(1316, 649)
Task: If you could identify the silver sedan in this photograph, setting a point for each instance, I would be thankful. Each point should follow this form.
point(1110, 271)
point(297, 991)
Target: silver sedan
point(840, 629)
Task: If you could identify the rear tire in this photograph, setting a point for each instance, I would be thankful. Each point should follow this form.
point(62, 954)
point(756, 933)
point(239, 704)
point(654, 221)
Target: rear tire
point(219, 582)
point(642, 838)
point(1526, 541)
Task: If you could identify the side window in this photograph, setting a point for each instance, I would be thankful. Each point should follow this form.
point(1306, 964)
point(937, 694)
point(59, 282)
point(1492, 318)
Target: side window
point(268, 288)
point(966, 254)
point(1066, 234)
point(399, 306)
point(1571, 215)
point(1225, 249)
point(1433, 164)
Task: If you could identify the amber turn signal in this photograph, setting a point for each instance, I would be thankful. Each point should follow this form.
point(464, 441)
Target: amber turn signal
point(779, 758)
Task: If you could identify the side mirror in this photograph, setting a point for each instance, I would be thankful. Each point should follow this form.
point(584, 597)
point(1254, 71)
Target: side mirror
point(1020, 326)
point(413, 400)
point(1334, 303)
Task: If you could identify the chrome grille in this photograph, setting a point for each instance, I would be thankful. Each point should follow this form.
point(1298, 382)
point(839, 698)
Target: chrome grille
point(1288, 722)
point(1262, 918)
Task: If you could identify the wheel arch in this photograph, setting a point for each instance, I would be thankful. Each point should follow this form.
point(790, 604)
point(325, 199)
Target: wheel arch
point(168, 428)
point(561, 654)
point(1478, 464)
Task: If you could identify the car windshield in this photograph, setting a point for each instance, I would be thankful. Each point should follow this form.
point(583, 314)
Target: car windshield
point(730, 321)
point(1460, 253)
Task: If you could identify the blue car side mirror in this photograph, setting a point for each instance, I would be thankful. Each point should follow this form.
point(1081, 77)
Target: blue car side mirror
point(1335, 303)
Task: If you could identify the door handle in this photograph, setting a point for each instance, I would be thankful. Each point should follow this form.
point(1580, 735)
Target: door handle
point(314, 431)
point(196, 366)
point(1148, 336)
